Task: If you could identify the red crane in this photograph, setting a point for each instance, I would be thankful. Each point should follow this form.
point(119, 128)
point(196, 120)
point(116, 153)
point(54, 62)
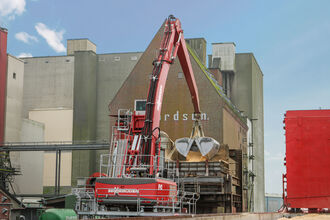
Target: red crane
point(139, 173)
point(172, 45)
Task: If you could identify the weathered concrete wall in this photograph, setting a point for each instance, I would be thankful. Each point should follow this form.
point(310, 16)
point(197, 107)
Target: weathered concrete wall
point(14, 98)
point(248, 96)
point(113, 69)
point(84, 112)
point(258, 133)
point(58, 127)
point(31, 162)
point(48, 83)
point(15, 78)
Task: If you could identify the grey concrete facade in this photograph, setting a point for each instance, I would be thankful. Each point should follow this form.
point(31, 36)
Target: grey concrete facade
point(14, 102)
point(48, 83)
point(247, 95)
point(113, 69)
point(22, 130)
point(242, 80)
point(84, 112)
point(31, 163)
point(84, 82)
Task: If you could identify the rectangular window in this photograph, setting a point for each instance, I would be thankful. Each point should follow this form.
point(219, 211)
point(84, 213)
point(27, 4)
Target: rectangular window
point(140, 105)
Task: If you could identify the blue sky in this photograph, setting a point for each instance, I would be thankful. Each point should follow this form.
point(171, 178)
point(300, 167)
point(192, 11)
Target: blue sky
point(289, 38)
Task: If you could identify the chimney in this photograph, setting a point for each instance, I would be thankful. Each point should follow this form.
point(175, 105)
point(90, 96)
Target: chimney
point(199, 46)
point(3, 80)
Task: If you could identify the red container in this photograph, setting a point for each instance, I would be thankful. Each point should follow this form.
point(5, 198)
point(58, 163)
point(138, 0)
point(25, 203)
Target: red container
point(3, 80)
point(307, 159)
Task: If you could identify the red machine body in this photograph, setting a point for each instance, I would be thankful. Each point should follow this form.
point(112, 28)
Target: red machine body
point(139, 173)
point(150, 191)
point(307, 159)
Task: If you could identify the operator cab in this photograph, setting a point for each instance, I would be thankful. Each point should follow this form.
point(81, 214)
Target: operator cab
point(140, 106)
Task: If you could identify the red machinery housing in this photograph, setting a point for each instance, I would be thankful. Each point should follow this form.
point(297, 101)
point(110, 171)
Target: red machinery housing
point(307, 178)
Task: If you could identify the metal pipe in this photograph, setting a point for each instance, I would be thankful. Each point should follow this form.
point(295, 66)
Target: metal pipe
point(59, 173)
point(56, 160)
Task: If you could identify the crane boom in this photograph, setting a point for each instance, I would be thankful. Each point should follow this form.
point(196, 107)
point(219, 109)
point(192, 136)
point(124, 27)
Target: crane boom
point(172, 45)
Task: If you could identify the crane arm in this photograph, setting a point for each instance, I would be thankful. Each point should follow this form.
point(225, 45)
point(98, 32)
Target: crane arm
point(172, 45)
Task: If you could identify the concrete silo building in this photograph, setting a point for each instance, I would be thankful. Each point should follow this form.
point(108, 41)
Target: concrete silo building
point(67, 98)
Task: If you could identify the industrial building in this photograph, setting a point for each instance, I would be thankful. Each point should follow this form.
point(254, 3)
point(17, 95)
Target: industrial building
point(69, 98)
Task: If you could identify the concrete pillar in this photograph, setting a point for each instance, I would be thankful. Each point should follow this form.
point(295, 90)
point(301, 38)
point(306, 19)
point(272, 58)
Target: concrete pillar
point(84, 112)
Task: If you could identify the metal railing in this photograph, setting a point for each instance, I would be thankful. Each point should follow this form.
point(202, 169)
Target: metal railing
point(94, 203)
point(117, 165)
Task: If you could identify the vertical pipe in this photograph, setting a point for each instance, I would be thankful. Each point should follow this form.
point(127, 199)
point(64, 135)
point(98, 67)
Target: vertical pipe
point(59, 173)
point(3, 81)
point(56, 165)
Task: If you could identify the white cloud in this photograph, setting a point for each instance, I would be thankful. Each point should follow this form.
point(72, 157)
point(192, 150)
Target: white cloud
point(11, 8)
point(25, 37)
point(21, 55)
point(53, 38)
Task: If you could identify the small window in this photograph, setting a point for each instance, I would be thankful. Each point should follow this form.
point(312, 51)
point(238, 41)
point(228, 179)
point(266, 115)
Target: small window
point(134, 58)
point(180, 75)
point(46, 61)
point(116, 58)
point(14, 75)
point(140, 105)
point(67, 60)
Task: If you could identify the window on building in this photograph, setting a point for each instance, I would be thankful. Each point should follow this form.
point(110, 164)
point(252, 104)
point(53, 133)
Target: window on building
point(14, 75)
point(134, 58)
